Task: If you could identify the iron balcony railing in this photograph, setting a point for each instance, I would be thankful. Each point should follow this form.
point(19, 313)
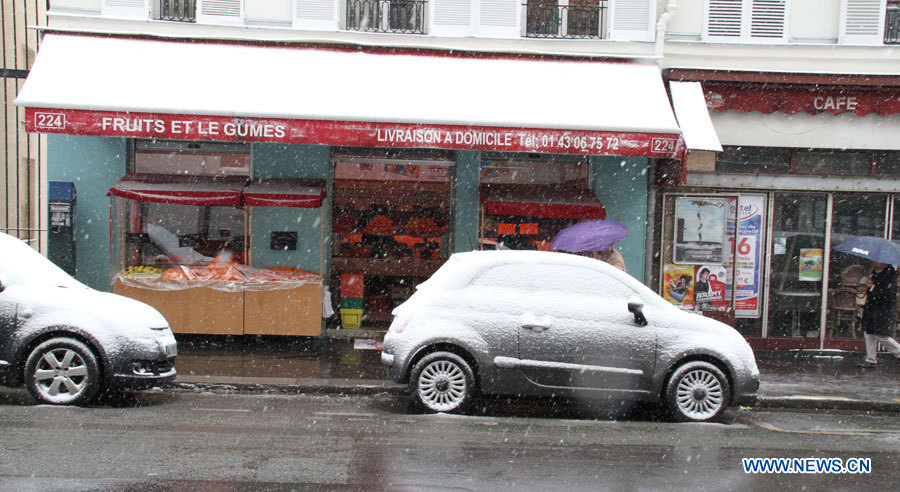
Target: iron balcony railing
point(396, 16)
point(177, 10)
point(892, 24)
point(549, 20)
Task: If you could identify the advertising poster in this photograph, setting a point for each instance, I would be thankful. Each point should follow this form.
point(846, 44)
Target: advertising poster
point(748, 260)
point(678, 285)
point(699, 230)
point(811, 264)
point(709, 288)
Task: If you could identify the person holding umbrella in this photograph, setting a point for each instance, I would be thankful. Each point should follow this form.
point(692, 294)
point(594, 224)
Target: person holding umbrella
point(879, 312)
point(593, 235)
point(880, 309)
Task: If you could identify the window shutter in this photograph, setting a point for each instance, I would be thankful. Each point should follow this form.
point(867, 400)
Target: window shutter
point(316, 14)
point(632, 20)
point(767, 19)
point(499, 18)
point(219, 12)
point(862, 21)
point(724, 19)
point(133, 9)
point(747, 21)
point(451, 18)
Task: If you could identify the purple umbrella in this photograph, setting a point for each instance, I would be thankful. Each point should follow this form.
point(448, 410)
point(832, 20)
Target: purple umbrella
point(592, 235)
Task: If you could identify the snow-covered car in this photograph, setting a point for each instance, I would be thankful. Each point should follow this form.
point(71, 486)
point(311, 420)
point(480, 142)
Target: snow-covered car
point(67, 342)
point(555, 324)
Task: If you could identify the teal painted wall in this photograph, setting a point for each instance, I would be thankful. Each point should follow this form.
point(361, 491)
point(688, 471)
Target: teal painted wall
point(94, 164)
point(291, 161)
point(465, 233)
point(621, 184)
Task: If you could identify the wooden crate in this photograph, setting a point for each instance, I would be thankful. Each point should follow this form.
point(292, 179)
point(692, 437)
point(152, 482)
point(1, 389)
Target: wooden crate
point(296, 311)
point(199, 310)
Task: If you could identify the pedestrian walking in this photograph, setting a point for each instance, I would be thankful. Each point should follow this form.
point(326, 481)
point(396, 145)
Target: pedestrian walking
point(880, 312)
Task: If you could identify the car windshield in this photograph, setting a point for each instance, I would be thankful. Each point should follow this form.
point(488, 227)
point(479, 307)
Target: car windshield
point(20, 264)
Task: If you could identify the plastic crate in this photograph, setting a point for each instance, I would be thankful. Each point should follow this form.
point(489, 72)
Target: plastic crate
point(351, 319)
point(351, 303)
point(351, 285)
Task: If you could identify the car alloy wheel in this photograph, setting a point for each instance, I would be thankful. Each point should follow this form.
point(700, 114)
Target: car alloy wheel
point(697, 392)
point(62, 371)
point(442, 382)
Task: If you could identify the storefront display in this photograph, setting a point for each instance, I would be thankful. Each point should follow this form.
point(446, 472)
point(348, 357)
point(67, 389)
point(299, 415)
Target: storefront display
point(182, 244)
point(391, 226)
point(526, 203)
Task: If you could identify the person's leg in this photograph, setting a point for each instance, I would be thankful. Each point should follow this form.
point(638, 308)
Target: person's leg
point(890, 345)
point(871, 356)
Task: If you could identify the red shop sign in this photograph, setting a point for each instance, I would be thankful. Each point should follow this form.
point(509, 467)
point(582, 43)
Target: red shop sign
point(352, 133)
point(802, 99)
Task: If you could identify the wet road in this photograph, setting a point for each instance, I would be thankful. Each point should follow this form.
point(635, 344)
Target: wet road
point(182, 440)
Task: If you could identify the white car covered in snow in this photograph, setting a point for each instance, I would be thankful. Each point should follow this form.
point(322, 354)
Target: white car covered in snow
point(555, 324)
point(67, 342)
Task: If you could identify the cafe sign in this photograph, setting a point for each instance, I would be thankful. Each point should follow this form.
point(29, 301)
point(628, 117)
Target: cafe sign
point(802, 99)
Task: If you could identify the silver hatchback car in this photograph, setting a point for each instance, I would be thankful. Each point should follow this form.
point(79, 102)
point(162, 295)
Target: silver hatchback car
point(554, 324)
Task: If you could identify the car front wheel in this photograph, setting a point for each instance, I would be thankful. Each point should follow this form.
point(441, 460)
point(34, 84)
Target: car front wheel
point(62, 371)
point(442, 382)
point(697, 392)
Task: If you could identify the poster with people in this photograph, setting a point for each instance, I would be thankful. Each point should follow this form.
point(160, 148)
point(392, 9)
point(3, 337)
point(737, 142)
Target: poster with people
point(709, 288)
point(699, 230)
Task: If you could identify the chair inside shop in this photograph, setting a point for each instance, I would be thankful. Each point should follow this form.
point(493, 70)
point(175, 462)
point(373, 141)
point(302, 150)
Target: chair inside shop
point(851, 276)
point(843, 309)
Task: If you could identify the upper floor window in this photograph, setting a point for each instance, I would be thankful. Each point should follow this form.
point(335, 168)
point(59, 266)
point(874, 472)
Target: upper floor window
point(175, 10)
point(564, 19)
point(892, 22)
point(396, 16)
point(746, 21)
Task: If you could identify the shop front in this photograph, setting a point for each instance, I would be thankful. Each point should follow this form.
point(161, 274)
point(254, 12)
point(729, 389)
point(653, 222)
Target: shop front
point(750, 237)
point(236, 201)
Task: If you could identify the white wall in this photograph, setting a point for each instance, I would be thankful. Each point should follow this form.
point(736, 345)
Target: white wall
point(87, 5)
point(814, 20)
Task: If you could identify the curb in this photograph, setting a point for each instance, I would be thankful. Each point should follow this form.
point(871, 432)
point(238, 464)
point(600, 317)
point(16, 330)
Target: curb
point(287, 386)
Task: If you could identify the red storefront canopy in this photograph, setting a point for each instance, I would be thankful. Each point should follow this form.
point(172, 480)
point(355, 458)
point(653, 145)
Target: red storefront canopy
point(538, 201)
point(284, 193)
point(478, 102)
point(180, 189)
point(213, 190)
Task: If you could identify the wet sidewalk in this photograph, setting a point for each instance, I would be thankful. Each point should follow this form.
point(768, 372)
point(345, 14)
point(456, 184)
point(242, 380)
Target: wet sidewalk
point(789, 379)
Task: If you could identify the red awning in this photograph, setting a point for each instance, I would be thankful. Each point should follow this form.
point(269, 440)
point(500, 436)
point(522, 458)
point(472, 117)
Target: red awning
point(284, 193)
point(180, 189)
point(539, 201)
point(792, 99)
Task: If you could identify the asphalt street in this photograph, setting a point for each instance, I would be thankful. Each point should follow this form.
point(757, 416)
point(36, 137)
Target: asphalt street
point(174, 440)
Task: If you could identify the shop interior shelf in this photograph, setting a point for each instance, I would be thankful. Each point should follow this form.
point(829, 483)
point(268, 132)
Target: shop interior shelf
point(394, 267)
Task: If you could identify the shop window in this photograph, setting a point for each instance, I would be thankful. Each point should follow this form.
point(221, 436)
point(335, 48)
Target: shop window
point(757, 160)
point(191, 158)
point(828, 163)
point(887, 163)
point(527, 199)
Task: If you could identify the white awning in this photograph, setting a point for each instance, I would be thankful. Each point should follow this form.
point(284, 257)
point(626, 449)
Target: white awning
point(412, 100)
point(693, 116)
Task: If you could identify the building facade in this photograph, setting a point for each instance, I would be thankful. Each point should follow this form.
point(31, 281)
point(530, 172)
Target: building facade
point(444, 125)
point(23, 205)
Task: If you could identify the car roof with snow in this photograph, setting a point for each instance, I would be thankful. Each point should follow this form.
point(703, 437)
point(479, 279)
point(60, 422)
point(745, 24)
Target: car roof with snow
point(20, 263)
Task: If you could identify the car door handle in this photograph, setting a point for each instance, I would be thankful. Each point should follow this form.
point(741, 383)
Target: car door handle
point(538, 327)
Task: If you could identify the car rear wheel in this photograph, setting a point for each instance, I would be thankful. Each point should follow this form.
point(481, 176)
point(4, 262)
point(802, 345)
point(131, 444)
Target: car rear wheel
point(442, 382)
point(697, 392)
point(62, 371)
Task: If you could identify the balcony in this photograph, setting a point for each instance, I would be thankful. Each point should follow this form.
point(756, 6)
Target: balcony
point(176, 10)
point(892, 24)
point(387, 16)
point(581, 19)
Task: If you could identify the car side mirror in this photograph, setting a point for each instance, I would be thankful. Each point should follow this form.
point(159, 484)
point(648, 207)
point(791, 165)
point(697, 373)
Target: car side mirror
point(636, 307)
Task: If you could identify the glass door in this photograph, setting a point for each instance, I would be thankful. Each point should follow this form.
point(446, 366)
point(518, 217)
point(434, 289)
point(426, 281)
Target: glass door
point(797, 264)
